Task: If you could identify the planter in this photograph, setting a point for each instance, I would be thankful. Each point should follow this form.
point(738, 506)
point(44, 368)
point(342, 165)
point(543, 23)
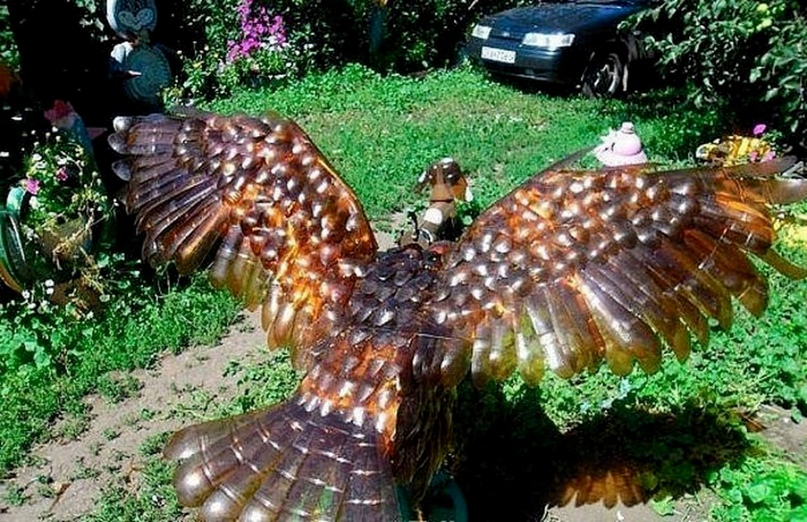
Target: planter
point(14, 270)
point(59, 252)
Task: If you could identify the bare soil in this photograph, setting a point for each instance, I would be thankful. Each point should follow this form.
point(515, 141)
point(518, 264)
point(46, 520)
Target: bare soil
point(68, 479)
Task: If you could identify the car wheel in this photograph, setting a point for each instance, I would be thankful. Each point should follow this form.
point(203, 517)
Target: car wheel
point(603, 76)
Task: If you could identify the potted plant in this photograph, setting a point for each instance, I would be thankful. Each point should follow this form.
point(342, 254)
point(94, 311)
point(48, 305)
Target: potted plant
point(54, 217)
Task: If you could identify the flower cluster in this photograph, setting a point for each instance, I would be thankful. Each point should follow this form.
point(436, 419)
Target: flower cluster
point(737, 149)
point(63, 218)
point(259, 31)
point(61, 184)
point(760, 150)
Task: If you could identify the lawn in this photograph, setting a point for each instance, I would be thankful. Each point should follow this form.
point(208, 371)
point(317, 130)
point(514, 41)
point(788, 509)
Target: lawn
point(685, 428)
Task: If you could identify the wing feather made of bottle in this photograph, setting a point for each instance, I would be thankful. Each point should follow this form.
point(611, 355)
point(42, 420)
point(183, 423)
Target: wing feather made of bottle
point(573, 268)
point(283, 228)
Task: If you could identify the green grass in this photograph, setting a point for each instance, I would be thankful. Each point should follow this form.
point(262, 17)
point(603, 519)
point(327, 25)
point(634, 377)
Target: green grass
point(380, 132)
point(682, 424)
point(131, 334)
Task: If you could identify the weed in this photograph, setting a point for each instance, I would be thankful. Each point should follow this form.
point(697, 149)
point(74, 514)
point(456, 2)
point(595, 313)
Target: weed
point(72, 427)
point(154, 444)
point(84, 472)
point(152, 501)
point(111, 433)
point(45, 486)
point(15, 496)
point(130, 334)
point(115, 389)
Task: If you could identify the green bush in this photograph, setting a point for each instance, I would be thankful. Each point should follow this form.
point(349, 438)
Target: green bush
point(745, 52)
point(8, 49)
point(421, 34)
point(320, 34)
point(317, 34)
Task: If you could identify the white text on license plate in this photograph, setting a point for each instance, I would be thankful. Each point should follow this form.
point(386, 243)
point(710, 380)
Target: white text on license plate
point(498, 55)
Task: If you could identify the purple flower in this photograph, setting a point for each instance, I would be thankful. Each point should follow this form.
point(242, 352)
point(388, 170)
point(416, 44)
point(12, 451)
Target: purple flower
point(258, 30)
point(61, 174)
point(759, 128)
point(32, 186)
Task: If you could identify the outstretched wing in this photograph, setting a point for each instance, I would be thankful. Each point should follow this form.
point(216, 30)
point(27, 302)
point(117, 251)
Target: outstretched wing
point(290, 233)
point(575, 267)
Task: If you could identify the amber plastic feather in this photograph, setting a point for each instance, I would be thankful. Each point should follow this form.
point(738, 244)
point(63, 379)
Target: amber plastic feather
point(569, 270)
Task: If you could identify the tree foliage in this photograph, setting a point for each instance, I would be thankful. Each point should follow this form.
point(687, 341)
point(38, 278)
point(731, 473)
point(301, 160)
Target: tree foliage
point(751, 53)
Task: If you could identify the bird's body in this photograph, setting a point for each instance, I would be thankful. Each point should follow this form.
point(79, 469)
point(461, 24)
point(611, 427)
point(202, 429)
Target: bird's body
point(568, 270)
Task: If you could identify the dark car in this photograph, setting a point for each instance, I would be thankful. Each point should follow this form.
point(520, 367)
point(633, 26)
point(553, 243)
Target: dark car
point(574, 43)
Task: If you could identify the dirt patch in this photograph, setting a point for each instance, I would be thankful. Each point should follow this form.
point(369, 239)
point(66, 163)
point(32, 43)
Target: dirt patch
point(70, 474)
point(783, 433)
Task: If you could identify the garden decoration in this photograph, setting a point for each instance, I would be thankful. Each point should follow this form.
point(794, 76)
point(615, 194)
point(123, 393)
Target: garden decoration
point(55, 215)
point(569, 270)
point(143, 68)
point(736, 149)
point(131, 19)
point(13, 266)
point(63, 117)
point(440, 221)
point(621, 147)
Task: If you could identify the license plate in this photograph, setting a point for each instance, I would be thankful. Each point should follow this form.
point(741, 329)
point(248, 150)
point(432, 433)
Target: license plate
point(498, 55)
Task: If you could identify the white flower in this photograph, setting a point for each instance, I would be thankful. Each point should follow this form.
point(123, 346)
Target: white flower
point(34, 202)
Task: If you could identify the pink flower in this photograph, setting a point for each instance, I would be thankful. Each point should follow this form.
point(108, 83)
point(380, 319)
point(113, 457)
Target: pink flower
point(32, 186)
point(258, 31)
point(759, 128)
point(61, 174)
point(61, 115)
point(59, 110)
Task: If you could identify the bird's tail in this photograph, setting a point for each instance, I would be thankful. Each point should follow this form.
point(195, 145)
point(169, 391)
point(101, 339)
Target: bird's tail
point(283, 463)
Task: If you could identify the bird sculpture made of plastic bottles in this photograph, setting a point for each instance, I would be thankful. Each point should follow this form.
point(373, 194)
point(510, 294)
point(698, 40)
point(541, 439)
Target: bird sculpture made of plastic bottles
point(571, 270)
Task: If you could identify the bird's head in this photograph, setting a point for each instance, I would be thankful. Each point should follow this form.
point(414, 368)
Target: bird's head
point(446, 180)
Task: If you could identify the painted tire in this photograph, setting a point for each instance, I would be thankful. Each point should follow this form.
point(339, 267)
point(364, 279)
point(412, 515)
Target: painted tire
point(131, 17)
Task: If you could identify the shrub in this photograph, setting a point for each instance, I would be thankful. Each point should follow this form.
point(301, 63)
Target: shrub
point(421, 34)
point(319, 34)
point(230, 43)
point(8, 49)
point(749, 53)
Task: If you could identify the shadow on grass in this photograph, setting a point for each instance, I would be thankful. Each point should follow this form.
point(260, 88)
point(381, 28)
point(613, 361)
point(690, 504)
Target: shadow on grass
point(512, 461)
